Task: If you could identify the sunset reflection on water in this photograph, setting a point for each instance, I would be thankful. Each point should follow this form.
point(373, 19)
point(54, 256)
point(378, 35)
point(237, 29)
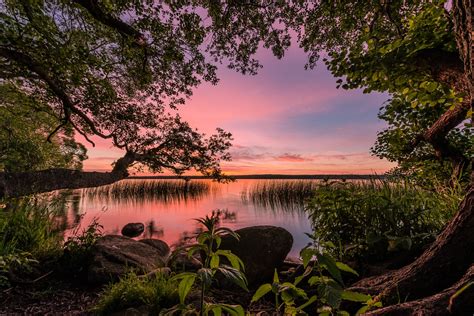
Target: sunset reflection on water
point(171, 219)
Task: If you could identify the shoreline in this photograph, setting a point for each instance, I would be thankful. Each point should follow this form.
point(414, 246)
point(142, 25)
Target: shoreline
point(275, 177)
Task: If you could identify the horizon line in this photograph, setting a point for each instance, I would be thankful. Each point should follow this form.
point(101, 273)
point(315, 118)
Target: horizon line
point(273, 176)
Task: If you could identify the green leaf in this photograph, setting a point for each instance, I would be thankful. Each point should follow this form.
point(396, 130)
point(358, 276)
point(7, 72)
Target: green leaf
point(344, 267)
point(306, 255)
point(206, 275)
point(214, 263)
point(261, 291)
point(233, 259)
point(217, 310)
point(311, 300)
point(234, 276)
point(187, 281)
point(307, 272)
point(330, 264)
point(276, 279)
point(233, 310)
point(355, 296)
point(331, 294)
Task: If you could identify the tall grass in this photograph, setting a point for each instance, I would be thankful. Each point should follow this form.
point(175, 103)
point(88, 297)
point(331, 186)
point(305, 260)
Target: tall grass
point(29, 226)
point(285, 195)
point(373, 219)
point(132, 291)
point(162, 190)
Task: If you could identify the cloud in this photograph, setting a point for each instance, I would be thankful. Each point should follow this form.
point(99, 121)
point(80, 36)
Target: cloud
point(292, 158)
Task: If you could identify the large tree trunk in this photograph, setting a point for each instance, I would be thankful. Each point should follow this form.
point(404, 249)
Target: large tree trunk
point(427, 285)
point(439, 304)
point(26, 183)
point(444, 263)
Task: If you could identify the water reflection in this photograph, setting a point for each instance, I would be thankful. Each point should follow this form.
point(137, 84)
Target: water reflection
point(168, 207)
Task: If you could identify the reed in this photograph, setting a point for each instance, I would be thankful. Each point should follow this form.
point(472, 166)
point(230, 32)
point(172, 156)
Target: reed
point(162, 190)
point(285, 195)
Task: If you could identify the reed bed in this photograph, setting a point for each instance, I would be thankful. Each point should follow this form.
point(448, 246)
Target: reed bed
point(162, 190)
point(285, 195)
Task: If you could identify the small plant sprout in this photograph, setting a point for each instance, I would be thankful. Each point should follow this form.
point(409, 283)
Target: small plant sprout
point(285, 295)
point(208, 244)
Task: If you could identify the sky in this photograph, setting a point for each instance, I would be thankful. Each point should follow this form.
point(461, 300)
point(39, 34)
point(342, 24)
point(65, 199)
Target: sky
point(284, 120)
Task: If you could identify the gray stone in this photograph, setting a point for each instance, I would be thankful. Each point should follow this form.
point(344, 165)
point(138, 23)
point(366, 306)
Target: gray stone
point(113, 256)
point(159, 245)
point(261, 248)
point(182, 262)
point(133, 229)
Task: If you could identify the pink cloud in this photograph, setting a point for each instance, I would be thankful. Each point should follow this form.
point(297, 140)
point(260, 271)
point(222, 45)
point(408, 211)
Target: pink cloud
point(292, 158)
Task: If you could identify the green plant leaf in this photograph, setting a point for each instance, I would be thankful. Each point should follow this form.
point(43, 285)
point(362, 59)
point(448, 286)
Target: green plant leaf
point(205, 275)
point(233, 259)
point(214, 263)
point(306, 255)
point(233, 310)
point(185, 285)
point(311, 300)
point(307, 272)
point(261, 291)
point(234, 276)
point(355, 296)
point(344, 267)
point(330, 264)
point(276, 279)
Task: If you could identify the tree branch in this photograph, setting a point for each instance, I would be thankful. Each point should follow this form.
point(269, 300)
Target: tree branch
point(55, 87)
point(94, 9)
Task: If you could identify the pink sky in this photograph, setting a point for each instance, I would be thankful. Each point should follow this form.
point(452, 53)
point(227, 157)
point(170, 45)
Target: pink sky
point(284, 120)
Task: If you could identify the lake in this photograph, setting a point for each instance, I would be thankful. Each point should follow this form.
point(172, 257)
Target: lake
point(168, 213)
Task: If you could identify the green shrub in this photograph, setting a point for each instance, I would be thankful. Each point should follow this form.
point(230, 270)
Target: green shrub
point(156, 292)
point(373, 219)
point(78, 249)
point(28, 226)
point(28, 234)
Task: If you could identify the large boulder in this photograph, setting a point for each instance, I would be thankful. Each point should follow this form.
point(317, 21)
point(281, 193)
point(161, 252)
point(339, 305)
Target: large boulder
point(113, 256)
point(261, 248)
point(133, 229)
point(159, 245)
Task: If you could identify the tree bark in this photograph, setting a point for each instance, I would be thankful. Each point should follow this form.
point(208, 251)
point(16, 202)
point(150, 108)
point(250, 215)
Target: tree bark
point(439, 304)
point(439, 267)
point(26, 183)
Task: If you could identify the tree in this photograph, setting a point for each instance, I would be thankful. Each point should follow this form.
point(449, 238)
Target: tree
point(422, 53)
point(25, 124)
point(118, 70)
point(421, 164)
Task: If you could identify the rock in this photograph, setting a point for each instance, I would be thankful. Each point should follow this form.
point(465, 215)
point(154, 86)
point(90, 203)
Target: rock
point(181, 262)
point(261, 248)
point(159, 245)
point(133, 229)
point(113, 256)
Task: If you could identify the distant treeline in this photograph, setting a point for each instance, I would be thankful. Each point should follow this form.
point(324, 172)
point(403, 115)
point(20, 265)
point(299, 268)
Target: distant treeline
point(278, 176)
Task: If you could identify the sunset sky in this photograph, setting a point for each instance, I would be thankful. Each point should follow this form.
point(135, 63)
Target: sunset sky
point(285, 120)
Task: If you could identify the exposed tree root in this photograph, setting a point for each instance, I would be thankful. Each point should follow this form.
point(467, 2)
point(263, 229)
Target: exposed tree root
point(444, 263)
point(443, 303)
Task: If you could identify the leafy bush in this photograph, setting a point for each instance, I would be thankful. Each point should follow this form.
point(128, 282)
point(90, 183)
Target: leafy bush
point(28, 234)
point(77, 249)
point(324, 274)
point(373, 219)
point(155, 292)
point(28, 226)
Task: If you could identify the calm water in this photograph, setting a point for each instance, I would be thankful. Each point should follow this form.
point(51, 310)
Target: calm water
point(172, 219)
